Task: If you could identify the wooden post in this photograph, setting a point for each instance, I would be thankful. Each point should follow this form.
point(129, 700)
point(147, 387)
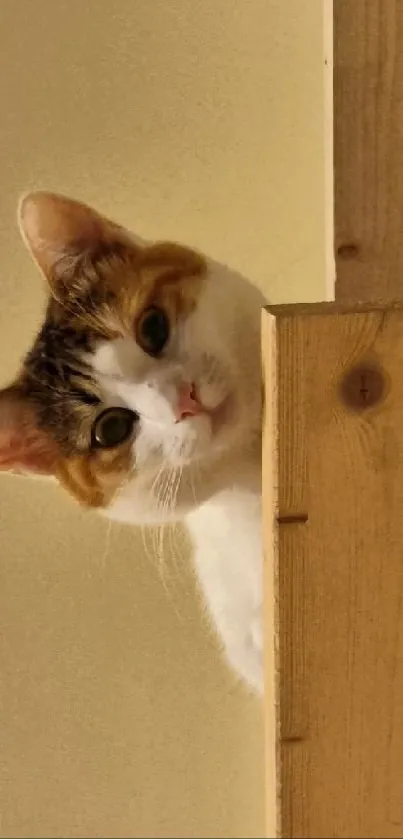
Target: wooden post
point(368, 150)
point(333, 519)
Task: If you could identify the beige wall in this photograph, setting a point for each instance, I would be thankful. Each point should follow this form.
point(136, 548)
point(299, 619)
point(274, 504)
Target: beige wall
point(198, 121)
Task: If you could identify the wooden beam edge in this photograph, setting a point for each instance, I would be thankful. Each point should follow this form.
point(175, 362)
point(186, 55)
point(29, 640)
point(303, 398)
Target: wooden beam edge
point(271, 577)
point(333, 308)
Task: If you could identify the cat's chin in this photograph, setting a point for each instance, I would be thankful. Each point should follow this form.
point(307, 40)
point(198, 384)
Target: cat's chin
point(201, 438)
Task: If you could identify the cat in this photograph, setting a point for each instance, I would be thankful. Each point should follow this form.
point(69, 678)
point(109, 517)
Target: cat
point(141, 395)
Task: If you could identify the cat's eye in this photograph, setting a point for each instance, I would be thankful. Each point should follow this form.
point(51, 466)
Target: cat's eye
point(152, 330)
point(113, 427)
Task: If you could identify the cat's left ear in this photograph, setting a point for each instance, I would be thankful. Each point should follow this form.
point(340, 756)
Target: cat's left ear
point(59, 232)
point(24, 447)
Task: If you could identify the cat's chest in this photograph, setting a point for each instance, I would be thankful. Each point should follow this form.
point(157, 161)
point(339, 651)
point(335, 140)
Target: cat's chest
point(227, 542)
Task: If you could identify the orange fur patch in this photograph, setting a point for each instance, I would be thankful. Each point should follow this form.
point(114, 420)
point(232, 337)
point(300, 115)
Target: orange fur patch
point(94, 477)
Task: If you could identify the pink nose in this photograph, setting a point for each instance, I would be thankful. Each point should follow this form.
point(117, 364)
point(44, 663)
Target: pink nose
point(188, 404)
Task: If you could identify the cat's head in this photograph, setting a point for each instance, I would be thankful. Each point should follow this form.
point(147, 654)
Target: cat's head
point(143, 366)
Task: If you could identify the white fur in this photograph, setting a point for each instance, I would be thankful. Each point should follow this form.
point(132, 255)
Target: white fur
point(204, 472)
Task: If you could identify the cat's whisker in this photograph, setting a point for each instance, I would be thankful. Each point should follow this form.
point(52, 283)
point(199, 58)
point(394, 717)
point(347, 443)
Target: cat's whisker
point(154, 553)
point(105, 554)
point(170, 530)
point(195, 474)
point(155, 494)
point(144, 531)
point(173, 530)
point(160, 492)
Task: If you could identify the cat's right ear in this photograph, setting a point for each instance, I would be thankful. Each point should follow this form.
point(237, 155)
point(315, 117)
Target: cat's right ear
point(58, 230)
point(24, 447)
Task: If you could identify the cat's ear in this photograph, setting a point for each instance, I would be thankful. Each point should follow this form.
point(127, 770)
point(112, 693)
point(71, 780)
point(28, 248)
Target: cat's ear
point(58, 230)
point(24, 447)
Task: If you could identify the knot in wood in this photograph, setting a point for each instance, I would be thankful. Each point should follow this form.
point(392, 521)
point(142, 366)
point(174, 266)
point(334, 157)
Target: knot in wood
point(349, 250)
point(362, 387)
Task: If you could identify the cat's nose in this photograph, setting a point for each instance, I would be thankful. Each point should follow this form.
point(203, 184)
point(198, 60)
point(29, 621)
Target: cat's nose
point(188, 405)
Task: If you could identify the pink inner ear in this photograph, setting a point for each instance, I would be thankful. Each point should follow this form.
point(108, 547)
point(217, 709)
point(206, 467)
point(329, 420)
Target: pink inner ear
point(23, 447)
point(52, 225)
point(24, 455)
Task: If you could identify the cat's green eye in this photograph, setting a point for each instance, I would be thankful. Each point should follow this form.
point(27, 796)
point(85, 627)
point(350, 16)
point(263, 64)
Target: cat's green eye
point(113, 427)
point(152, 330)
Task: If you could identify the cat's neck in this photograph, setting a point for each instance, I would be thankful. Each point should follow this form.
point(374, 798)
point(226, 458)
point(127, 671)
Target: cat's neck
point(240, 471)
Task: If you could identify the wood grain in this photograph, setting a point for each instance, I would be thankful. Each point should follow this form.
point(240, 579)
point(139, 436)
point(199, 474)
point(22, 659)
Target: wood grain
point(368, 148)
point(338, 587)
